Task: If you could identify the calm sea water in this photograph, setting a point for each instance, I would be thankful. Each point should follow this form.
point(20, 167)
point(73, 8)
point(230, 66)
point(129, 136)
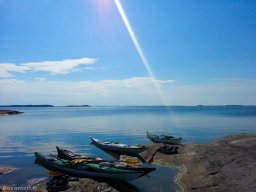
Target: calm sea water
point(41, 129)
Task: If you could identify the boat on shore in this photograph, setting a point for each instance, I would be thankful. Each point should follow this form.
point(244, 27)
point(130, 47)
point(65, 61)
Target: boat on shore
point(93, 169)
point(166, 139)
point(69, 155)
point(118, 147)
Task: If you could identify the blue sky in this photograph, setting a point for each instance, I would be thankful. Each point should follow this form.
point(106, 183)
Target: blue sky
point(80, 52)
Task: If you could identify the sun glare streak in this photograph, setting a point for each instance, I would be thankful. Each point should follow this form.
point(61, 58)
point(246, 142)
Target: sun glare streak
point(139, 50)
point(133, 37)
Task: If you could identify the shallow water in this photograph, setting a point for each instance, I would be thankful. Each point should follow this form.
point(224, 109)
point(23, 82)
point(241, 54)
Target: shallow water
point(41, 129)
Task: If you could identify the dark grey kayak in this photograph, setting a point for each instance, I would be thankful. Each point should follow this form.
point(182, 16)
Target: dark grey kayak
point(92, 169)
point(167, 139)
point(118, 147)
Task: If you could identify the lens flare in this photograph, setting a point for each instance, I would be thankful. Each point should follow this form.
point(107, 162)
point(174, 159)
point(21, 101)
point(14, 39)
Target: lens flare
point(139, 50)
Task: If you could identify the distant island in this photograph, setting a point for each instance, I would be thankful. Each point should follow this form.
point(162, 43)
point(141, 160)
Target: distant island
point(26, 106)
point(44, 106)
point(78, 106)
point(5, 111)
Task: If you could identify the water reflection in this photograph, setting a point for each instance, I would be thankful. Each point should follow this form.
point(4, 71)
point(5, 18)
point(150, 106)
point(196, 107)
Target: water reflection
point(41, 129)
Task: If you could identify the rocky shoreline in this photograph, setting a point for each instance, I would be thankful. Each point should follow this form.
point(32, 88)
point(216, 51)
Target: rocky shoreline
point(226, 165)
point(9, 112)
point(6, 169)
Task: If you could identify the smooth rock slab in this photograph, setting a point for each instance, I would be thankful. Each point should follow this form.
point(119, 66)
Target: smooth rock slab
point(226, 165)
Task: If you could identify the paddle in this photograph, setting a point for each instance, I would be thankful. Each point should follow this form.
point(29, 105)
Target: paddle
point(150, 160)
point(54, 173)
point(58, 158)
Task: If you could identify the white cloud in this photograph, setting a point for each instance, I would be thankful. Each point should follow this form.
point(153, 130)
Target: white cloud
point(7, 82)
point(136, 82)
point(7, 68)
point(215, 92)
point(40, 78)
point(54, 67)
point(131, 91)
point(91, 68)
point(58, 67)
